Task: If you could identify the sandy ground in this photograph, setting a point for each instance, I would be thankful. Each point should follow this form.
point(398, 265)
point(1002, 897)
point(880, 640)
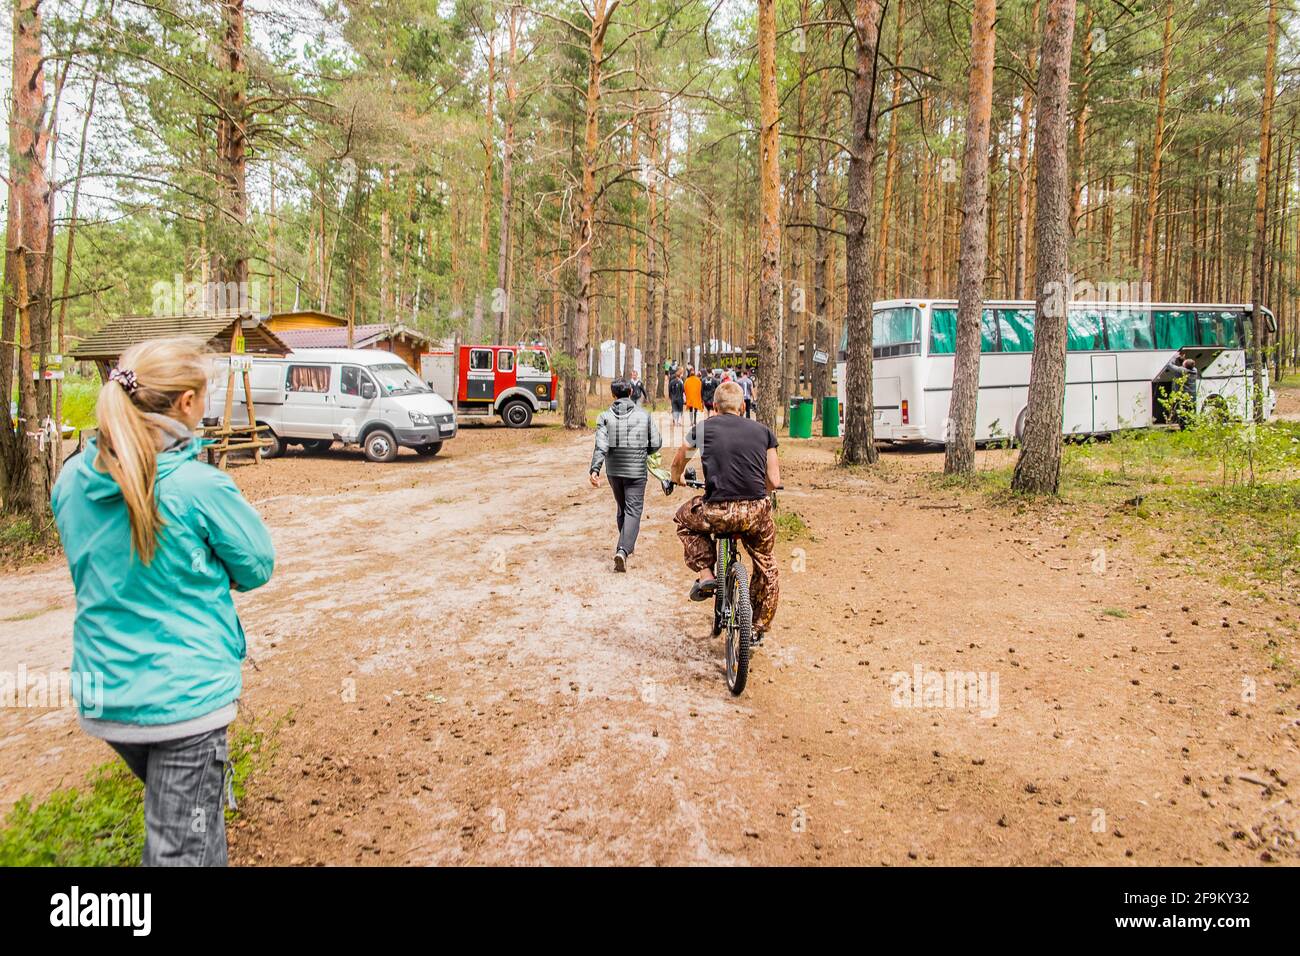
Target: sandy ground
point(454, 674)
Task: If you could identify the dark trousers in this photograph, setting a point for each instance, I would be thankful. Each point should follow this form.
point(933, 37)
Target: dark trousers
point(749, 408)
point(629, 498)
point(185, 782)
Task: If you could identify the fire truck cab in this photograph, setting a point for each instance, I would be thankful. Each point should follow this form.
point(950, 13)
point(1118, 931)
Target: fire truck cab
point(512, 381)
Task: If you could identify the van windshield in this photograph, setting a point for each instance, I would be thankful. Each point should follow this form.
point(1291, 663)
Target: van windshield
point(398, 379)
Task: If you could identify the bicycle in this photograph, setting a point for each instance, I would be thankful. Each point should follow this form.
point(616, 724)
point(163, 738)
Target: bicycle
point(732, 611)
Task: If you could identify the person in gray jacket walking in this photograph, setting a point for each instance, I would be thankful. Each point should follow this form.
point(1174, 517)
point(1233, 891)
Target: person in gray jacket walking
point(625, 435)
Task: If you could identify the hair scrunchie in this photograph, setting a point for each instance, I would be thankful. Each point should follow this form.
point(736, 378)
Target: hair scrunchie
point(124, 377)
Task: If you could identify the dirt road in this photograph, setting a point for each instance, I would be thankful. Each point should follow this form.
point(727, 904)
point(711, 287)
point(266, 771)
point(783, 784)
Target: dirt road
point(456, 675)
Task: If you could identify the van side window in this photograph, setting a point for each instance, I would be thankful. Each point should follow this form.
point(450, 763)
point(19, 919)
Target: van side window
point(308, 378)
point(480, 360)
point(505, 361)
point(350, 380)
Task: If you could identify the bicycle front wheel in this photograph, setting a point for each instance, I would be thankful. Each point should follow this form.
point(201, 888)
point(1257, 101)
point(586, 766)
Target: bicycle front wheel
point(739, 628)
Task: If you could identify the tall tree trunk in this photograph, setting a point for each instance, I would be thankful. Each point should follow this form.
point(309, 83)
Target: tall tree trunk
point(578, 323)
point(1149, 292)
point(27, 275)
point(507, 186)
point(1081, 128)
point(1022, 169)
point(959, 453)
point(1038, 469)
point(859, 436)
point(1258, 287)
point(485, 205)
point(769, 241)
point(229, 252)
point(891, 157)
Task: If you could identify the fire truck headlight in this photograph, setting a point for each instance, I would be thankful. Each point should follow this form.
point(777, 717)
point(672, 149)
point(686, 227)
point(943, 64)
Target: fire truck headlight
point(419, 418)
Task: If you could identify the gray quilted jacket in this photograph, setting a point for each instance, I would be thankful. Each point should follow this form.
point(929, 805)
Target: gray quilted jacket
point(625, 434)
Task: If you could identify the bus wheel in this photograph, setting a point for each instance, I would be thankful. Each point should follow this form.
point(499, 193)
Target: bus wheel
point(517, 414)
point(1020, 424)
point(380, 446)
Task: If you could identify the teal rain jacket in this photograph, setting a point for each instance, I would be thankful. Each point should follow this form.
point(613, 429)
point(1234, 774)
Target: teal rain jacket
point(160, 643)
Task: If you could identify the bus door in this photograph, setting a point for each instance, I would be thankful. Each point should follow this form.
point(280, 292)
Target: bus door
point(1105, 393)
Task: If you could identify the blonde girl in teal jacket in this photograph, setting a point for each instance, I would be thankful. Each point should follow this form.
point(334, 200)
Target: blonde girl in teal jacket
point(156, 540)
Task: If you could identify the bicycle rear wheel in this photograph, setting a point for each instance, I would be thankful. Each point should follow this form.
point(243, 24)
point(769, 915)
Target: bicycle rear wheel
point(739, 627)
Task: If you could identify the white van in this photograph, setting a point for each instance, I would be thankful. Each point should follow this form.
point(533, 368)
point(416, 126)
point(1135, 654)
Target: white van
point(315, 397)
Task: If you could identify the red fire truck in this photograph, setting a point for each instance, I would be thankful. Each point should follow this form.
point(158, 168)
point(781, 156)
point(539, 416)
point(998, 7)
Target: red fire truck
point(512, 381)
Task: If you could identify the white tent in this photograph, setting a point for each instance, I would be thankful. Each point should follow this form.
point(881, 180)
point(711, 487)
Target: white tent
point(609, 367)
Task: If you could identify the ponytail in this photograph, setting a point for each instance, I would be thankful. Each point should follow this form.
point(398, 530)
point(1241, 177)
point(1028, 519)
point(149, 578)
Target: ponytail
point(149, 378)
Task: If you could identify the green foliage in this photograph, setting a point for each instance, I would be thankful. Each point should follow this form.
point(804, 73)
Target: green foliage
point(79, 397)
point(102, 823)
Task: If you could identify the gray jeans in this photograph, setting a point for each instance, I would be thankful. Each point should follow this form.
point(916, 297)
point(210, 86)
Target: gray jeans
point(629, 498)
point(184, 782)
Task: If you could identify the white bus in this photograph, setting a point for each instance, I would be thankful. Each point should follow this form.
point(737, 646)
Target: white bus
point(1116, 355)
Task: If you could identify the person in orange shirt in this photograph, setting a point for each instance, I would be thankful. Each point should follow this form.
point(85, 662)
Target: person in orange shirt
point(694, 395)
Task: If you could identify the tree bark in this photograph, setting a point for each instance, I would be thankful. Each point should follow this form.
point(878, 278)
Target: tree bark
point(1038, 468)
point(959, 452)
point(507, 185)
point(578, 323)
point(1258, 287)
point(769, 241)
point(1157, 156)
point(27, 275)
point(859, 436)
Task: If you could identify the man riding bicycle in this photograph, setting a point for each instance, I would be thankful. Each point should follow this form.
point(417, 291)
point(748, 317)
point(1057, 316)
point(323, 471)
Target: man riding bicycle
point(740, 469)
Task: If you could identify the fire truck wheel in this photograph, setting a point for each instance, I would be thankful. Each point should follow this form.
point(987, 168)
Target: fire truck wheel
point(380, 445)
point(429, 450)
point(517, 414)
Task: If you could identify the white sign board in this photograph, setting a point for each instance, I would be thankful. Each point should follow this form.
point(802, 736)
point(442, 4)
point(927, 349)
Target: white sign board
point(820, 357)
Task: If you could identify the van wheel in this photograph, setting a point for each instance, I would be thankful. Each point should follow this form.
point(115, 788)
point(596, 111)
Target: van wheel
point(1020, 425)
point(517, 414)
point(272, 446)
point(380, 446)
point(429, 450)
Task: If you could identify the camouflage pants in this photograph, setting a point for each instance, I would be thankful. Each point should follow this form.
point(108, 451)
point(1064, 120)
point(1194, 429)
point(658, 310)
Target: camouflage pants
point(751, 523)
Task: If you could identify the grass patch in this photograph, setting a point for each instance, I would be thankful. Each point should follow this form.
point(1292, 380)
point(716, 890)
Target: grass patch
point(1115, 612)
point(790, 525)
point(23, 541)
point(79, 398)
point(102, 822)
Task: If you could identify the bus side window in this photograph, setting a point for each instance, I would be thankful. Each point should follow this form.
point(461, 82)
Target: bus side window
point(1174, 329)
point(505, 360)
point(480, 360)
point(1083, 331)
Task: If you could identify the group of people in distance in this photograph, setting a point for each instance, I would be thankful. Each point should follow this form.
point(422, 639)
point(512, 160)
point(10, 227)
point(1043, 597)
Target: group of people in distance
point(694, 391)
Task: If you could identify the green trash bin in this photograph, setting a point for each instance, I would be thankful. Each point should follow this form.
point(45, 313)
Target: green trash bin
point(830, 417)
point(801, 417)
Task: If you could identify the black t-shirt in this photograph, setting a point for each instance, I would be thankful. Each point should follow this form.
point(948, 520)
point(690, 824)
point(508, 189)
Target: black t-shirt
point(733, 451)
point(708, 388)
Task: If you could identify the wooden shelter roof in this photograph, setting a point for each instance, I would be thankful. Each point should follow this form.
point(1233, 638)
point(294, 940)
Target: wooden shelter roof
point(215, 330)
